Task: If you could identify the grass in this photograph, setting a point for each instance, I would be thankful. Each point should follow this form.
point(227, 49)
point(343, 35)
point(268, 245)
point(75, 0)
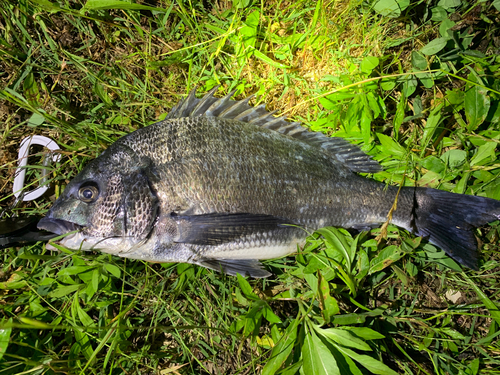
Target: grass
point(417, 84)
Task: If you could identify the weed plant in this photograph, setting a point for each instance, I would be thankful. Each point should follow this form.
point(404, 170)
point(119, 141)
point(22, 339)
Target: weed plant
point(417, 84)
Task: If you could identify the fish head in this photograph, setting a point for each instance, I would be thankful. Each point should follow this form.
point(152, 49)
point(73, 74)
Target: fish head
point(110, 205)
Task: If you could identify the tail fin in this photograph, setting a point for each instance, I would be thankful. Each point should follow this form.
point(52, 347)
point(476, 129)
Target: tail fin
point(447, 220)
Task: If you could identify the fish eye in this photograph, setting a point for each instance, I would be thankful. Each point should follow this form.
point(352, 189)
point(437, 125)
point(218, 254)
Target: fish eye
point(88, 192)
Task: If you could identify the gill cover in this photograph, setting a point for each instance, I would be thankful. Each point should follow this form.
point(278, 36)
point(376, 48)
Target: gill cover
point(110, 198)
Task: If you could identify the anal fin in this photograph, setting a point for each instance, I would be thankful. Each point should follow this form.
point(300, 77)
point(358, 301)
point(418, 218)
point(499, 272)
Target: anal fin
point(245, 267)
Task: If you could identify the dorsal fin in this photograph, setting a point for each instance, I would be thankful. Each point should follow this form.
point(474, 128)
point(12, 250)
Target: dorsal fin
point(348, 154)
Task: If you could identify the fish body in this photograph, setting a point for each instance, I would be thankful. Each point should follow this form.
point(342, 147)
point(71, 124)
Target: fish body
point(221, 184)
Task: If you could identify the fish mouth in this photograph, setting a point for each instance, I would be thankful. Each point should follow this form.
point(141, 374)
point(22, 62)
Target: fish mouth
point(57, 226)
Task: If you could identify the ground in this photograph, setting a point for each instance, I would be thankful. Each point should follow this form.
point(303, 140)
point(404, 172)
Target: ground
point(417, 85)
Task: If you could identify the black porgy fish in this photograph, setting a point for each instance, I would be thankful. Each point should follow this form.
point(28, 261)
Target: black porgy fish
point(222, 184)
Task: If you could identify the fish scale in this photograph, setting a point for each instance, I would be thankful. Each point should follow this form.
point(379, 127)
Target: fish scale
point(204, 187)
point(242, 182)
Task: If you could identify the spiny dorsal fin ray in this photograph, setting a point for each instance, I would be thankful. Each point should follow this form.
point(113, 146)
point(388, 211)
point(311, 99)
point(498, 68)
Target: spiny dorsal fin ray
point(343, 151)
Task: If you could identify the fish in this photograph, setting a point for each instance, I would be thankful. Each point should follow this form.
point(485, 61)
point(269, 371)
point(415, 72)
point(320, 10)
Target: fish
point(222, 184)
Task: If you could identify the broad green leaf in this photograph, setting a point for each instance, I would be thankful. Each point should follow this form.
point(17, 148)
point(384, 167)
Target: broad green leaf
point(312, 280)
point(370, 363)
point(293, 369)
point(473, 365)
point(102, 93)
point(31, 91)
point(452, 333)
point(338, 240)
point(36, 119)
point(314, 263)
point(241, 4)
point(239, 297)
point(493, 189)
point(431, 125)
point(270, 316)
point(400, 113)
point(430, 179)
point(454, 158)
point(387, 84)
point(461, 185)
point(484, 154)
point(425, 79)
point(494, 112)
point(410, 85)
point(64, 290)
point(401, 274)
point(368, 64)
point(81, 336)
point(318, 359)
point(282, 349)
point(455, 97)
point(403, 4)
point(246, 288)
point(390, 146)
point(363, 264)
point(345, 363)
point(439, 14)
point(344, 338)
point(352, 116)
point(34, 323)
point(385, 258)
point(433, 163)
point(390, 8)
point(434, 46)
point(366, 120)
point(83, 342)
point(330, 306)
point(96, 275)
point(5, 337)
point(74, 270)
point(16, 280)
point(268, 60)
point(483, 175)
point(349, 319)
point(364, 332)
point(112, 269)
point(51, 7)
point(376, 104)
point(447, 4)
point(249, 32)
point(446, 25)
point(477, 105)
point(85, 318)
point(253, 319)
point(418, 60)
point(253, 19)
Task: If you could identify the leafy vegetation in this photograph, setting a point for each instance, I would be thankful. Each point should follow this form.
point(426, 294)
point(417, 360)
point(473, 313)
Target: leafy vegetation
point(417, 84)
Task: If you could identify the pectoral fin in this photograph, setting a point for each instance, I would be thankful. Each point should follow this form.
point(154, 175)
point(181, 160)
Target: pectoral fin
point(219, 228)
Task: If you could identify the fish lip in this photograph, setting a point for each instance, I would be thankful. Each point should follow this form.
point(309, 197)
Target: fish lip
point(57, 226)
